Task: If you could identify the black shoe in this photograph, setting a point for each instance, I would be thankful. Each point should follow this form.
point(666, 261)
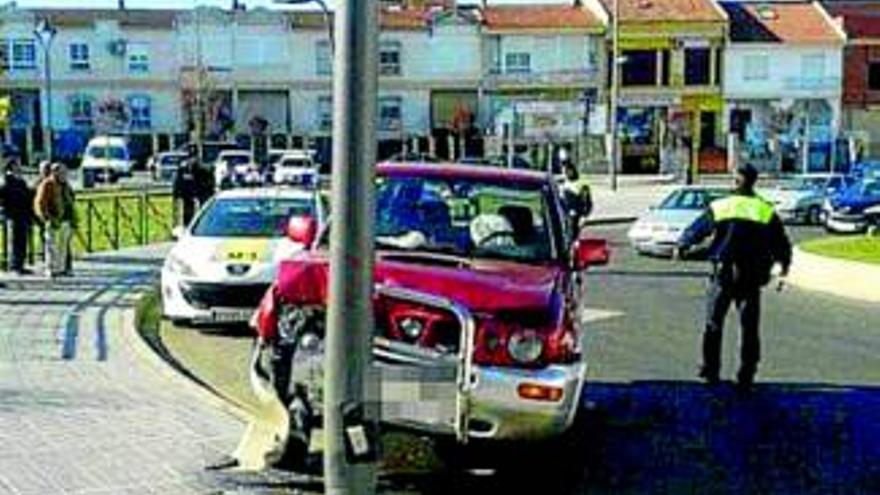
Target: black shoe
point(225, 462)
point(710, 378)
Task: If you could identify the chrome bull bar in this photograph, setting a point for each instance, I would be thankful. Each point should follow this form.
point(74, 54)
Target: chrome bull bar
point(415, 355)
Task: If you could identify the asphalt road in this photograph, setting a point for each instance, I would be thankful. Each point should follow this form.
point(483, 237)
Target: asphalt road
point(647, 426)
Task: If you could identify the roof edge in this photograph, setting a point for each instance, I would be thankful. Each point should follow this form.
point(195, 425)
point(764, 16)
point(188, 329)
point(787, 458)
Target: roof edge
point(836, 25)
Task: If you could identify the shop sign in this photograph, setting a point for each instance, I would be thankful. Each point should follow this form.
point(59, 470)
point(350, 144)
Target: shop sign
point(545, 118)
point(649, 100)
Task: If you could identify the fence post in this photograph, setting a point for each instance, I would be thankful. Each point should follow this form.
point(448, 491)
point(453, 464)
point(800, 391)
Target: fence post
point(90, 207)
point(116, 222)
point(142, 217)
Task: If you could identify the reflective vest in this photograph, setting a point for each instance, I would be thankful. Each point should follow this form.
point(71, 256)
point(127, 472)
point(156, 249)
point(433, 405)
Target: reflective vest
point(576, 186)
point(744, 208)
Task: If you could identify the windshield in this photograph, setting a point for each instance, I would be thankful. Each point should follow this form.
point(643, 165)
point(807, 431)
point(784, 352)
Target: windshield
point(250, 217)
point(803, 184)
point(464, 217)
point(691, 199)
point(296, 163)
point(107, 152)
point(236, 159)
point(871, 188)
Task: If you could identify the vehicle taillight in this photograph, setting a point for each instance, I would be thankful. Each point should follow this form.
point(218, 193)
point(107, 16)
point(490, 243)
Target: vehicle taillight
point(265, 320)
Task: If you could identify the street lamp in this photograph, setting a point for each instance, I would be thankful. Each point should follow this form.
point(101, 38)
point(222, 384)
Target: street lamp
point(45, 33)
point(324, 10)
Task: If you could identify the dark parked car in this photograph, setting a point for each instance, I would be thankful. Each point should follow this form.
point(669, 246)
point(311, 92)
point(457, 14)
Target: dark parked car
point(852, 210)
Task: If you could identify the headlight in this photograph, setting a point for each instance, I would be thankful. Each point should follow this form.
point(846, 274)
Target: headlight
point(177, 265)
point(525, 347)
point(412, 328)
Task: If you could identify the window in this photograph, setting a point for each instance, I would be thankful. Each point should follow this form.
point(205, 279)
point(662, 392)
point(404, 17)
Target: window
point(138, 58)
point(639, 68)
point(756, 68)
point(517, 63)
point(24, 54)
point(325, 113)
point(390, 113)
point(874, 76)
point(140, 112)
point(82, 111)
point(813, 67)
point(697, 66)
point(79, 56)
point(4, 54)
point(389, 58)
point(323, 58)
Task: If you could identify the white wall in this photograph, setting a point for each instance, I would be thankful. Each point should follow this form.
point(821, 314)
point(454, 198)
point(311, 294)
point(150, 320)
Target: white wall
point(553, 53)
point(416, 111)
point(785, 76)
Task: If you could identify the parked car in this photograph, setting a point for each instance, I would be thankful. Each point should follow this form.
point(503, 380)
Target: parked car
point(477, 301)
point(223, 263)
point(163, 166)
point(659, 230)
point(869, 169)
point(106, 158)
point(852, 210)
point(295, 167)
point(233, 167)
point(801, 199)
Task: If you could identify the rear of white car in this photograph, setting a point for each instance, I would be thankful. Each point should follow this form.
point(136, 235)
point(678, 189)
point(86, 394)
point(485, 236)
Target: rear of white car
point(295, 169)
point(222, 265)
point(106, 158)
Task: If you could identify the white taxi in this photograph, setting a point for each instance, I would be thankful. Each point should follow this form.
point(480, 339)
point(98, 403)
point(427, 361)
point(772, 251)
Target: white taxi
point(225, 260)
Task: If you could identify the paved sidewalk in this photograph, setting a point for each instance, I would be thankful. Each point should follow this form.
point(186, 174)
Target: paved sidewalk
point(80, 411)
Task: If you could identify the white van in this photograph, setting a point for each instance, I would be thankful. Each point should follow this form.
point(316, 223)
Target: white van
point(106, 159)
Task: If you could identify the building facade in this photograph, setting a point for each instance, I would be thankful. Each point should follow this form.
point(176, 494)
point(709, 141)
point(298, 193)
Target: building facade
point(861, 77)
point(782, 85)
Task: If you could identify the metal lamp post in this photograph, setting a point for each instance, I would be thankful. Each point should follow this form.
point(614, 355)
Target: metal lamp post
point(615, 94)
point(45, 33)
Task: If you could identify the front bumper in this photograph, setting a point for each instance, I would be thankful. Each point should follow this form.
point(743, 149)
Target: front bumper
point(846, 224)
point(183, 300)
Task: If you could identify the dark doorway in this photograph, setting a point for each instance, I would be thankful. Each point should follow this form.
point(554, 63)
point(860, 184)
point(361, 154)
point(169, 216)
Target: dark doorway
point(707, 130)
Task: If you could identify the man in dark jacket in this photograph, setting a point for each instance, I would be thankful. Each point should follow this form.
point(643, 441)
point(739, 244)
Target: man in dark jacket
point(17, 199)
point(749, 240)
point(186, 189)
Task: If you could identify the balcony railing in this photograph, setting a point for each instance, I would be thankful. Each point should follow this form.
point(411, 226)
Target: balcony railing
point(811, 83)
point(499, 77)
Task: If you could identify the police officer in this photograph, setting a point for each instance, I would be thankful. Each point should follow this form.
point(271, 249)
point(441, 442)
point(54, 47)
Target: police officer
point(749, 240)
point(576, 197)
point(186, 189)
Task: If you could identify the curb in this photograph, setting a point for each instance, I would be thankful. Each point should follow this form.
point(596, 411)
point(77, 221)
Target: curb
point(173, 371)
point(849, 279)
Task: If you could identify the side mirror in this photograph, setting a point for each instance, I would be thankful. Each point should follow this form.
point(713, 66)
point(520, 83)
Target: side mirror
point(589, 252)
point(178, 232)
point(302, 230)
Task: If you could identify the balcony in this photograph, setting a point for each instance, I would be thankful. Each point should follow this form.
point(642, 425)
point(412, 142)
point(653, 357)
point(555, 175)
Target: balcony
point(498, 78)
point(811, 84)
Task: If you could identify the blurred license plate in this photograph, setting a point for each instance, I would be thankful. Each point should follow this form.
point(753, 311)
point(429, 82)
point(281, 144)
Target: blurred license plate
point(230, 315)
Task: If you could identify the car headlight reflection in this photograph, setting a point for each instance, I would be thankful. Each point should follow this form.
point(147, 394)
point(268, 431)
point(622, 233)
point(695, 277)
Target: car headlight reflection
point(176, 265)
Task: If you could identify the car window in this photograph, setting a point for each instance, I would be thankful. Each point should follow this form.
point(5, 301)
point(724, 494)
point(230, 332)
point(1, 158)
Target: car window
point(171, 159)
point(250, 217)
point(871, 189)
point(690, 199)
point(296, 163)
point(464, 217)
point(96, 152)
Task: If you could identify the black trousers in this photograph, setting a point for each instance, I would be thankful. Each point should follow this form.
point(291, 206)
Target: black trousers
point(20, 232)
point(748, 304)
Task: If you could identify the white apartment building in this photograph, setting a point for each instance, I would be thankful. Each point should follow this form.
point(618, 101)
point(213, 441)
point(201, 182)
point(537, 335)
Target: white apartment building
point(445, 72)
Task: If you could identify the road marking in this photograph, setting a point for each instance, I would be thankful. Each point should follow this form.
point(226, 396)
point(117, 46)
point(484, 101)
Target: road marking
point(592, 315)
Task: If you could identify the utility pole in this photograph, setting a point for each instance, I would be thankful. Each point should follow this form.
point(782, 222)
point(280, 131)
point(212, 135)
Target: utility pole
point(615, 89)
point(348, 416)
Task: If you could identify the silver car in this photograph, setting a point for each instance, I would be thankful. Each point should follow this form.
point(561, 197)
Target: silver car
point(660, 229)
point(801, 199)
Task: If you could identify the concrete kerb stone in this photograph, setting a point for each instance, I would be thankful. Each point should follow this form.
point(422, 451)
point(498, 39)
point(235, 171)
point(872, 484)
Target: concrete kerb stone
point(842, 278)
point(185, 379)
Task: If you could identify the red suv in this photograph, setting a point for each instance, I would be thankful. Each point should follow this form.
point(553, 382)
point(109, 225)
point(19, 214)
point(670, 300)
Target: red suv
point(477, 304)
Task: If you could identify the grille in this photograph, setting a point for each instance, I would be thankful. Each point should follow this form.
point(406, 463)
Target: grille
point(223, 296)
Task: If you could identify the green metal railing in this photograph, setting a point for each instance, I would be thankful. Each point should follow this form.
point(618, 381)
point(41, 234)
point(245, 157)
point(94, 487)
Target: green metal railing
point(105, 222)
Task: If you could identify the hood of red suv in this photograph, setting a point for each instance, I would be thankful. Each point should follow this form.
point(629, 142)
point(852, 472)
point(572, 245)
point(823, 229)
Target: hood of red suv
point(482, 286)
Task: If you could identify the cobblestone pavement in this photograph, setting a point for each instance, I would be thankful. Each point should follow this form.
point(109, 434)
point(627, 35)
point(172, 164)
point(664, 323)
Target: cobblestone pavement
point(80, 411)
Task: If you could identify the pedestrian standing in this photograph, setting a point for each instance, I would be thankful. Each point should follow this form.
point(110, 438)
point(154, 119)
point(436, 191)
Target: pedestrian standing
point(576, 197)
point(749, 240)
point(53, 205)
point(186, 189)
point(68, 217)
point(17, 199)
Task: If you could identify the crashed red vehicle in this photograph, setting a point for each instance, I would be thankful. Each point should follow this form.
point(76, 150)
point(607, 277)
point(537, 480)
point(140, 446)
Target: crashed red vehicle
point(477, 328)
